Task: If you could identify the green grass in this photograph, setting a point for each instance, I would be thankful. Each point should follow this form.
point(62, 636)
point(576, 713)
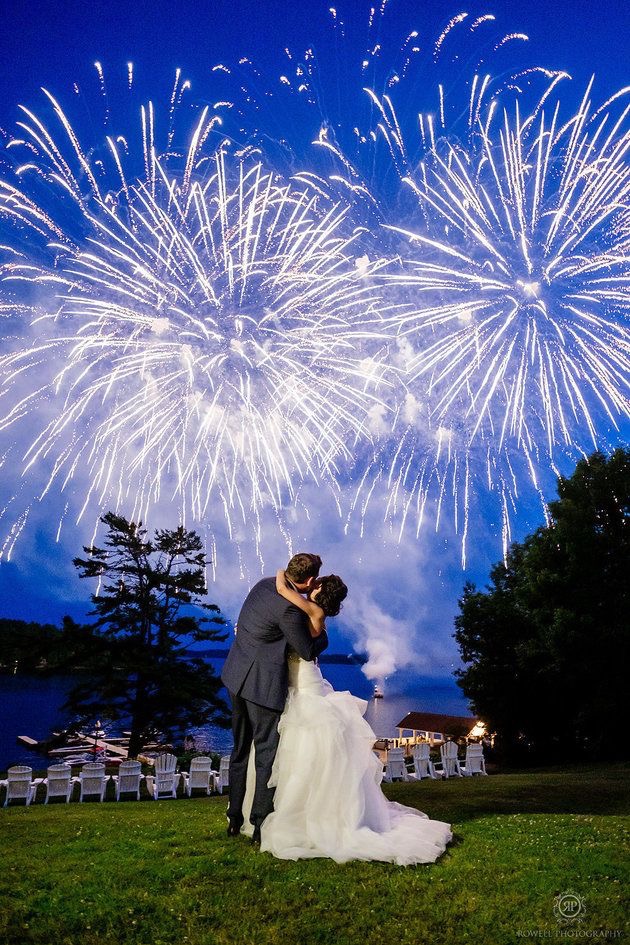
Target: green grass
point(165, 872)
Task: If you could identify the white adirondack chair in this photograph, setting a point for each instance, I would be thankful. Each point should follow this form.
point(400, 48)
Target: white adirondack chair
point(59, 782)
point(93, 781)
point(166, 778)
point(201, 776)
point(223, 780)
point(395, 768)
point(423, 767)
point(450, 767)
point(20, 785)
point(128, 779)
point(474, 762)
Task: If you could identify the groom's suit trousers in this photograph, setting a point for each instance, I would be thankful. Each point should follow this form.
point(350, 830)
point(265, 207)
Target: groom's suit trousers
point(257, 724)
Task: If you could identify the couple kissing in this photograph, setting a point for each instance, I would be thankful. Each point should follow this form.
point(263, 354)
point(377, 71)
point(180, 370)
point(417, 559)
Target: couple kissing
point(304, 781)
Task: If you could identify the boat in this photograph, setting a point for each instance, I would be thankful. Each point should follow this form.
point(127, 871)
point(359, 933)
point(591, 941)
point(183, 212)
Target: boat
point(378, 692)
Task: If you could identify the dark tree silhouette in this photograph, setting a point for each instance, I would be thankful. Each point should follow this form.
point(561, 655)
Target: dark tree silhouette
point(547, 643)
point(137, 656)
point(27, 646)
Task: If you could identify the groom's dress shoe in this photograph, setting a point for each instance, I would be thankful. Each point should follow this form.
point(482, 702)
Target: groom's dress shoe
point(234, 826)
point(256, 836)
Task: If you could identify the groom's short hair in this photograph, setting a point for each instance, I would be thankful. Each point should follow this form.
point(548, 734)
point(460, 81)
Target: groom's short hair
point(303, 566)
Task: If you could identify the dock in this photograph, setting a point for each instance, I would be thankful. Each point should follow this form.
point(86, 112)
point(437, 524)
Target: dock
point(29, 742)
point(116, 748)
point(119, 751)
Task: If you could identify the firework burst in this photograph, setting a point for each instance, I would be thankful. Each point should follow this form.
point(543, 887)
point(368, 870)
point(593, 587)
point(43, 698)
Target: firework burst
point(409, 320)
point(532, 284)
point(515, 269)
point(207, 334)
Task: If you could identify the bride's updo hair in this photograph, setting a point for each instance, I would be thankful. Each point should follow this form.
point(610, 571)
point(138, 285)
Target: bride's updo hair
point(332, 592)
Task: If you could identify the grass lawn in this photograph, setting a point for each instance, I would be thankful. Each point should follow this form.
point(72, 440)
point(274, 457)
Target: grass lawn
point(165, 872)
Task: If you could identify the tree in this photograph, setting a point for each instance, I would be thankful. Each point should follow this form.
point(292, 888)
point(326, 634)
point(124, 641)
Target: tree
point(139, 665)
point(27, 646)
point(547, 642)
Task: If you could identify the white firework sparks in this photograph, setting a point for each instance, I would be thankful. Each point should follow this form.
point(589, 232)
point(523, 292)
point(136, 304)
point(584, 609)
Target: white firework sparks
point(516, 273)
point(526, 247)
point(215, 333)
point(207, 336)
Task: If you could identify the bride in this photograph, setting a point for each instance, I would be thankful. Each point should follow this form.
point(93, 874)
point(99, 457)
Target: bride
point(328, 799)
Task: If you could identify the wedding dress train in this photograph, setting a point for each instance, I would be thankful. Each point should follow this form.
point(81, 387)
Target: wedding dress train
point(328, 800)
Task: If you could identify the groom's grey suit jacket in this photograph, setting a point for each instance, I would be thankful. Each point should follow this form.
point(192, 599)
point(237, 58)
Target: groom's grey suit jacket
point(256, 666)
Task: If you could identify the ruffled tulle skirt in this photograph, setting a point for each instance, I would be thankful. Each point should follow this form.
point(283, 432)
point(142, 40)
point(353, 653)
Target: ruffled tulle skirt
point(328, 800)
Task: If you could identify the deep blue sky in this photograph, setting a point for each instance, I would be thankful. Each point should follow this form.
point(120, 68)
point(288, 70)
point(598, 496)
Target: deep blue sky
point(54, 44)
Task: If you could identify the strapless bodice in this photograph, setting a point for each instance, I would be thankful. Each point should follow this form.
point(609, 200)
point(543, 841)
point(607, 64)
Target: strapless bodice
point(304, 675)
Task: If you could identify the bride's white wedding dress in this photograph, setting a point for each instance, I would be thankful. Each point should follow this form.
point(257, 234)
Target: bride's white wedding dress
point(328, 800)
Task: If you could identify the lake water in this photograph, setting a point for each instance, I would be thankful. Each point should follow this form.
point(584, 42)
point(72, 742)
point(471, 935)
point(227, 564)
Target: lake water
point(31, 705)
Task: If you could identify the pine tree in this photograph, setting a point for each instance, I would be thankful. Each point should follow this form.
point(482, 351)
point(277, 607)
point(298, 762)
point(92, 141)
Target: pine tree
point(140, 667)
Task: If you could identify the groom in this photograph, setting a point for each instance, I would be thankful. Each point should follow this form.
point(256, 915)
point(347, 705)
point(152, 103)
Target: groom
point(256, 676)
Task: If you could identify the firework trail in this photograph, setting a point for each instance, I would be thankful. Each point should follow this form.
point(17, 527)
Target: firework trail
point(329, 93)
point(429, 134)
point(447, 284)
point(533, 281)
point(515, 345)
point(206, 337)
point(367, 112)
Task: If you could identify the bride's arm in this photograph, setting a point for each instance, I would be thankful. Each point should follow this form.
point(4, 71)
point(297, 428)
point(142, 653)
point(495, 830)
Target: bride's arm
point(311, 609)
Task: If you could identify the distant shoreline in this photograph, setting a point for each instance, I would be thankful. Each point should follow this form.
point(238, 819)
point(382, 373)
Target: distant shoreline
point(346, 659)
point(339, 659)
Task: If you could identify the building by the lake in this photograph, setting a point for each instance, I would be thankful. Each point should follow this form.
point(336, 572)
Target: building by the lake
point(435, 729)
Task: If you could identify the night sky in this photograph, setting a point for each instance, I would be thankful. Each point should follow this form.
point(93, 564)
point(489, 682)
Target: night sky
point(43, 46)
point(403, 595)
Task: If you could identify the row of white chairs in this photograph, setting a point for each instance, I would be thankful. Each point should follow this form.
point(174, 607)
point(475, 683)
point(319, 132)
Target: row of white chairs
point(200, 777)
point(92, 779)
point(20, 785)
point(423, 767)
